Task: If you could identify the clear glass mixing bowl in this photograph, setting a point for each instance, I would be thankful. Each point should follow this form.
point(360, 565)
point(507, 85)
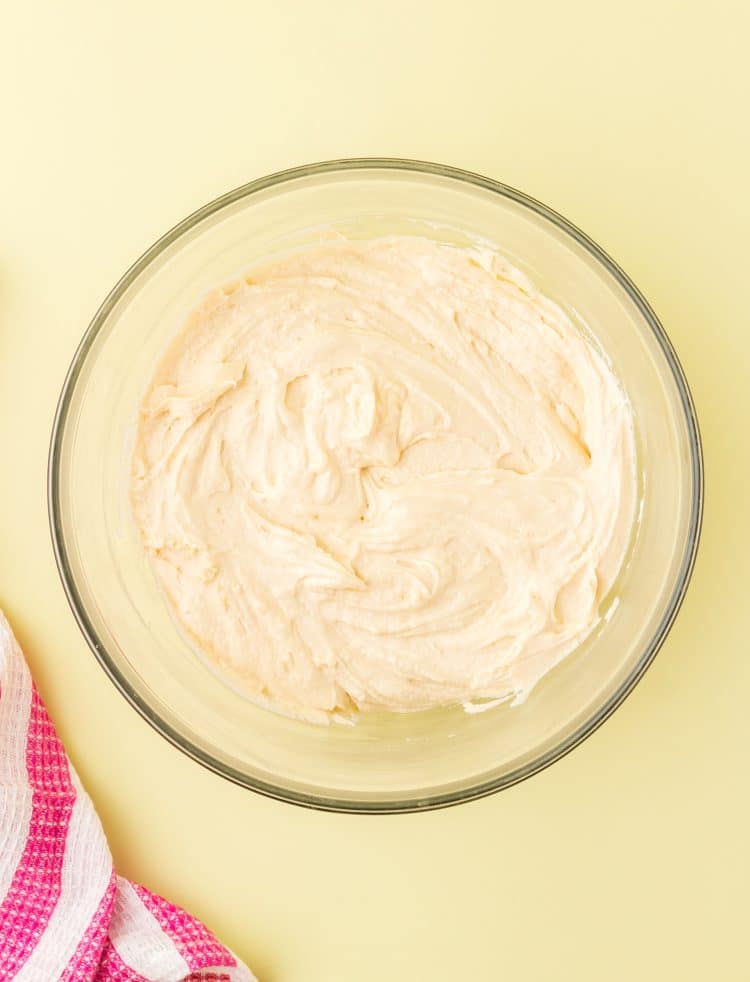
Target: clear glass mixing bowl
point(384, 763)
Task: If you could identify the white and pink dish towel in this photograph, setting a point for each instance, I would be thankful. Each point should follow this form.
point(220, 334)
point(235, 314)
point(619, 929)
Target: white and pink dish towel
point(65, 916)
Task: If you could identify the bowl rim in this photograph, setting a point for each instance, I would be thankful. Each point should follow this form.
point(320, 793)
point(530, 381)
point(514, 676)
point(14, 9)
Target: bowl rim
point(429, 801)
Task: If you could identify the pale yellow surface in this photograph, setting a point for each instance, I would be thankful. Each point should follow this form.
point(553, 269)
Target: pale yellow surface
point(627, 860)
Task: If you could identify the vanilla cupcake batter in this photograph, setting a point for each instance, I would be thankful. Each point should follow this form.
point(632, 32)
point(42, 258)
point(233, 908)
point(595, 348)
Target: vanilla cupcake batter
point(384, 475)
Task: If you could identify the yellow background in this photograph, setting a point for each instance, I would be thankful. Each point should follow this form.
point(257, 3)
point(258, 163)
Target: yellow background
point(628, 859)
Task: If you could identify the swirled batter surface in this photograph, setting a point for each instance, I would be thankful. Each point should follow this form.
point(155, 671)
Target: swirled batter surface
point(386, 475)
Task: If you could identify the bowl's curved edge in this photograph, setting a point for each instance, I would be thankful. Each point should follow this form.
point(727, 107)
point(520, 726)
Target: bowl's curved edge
point(312, 800)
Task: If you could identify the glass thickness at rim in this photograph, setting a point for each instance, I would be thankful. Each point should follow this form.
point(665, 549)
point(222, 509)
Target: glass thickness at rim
point(139, 703)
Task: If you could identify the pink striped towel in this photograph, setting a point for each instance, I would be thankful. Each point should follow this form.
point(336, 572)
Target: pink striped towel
point(64, 913)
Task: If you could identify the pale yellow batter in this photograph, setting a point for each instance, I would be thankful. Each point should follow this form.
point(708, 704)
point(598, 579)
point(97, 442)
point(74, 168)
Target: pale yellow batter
point(384, 475)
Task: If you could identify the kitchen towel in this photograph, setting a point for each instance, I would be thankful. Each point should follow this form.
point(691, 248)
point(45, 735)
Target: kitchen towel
point(64, 913)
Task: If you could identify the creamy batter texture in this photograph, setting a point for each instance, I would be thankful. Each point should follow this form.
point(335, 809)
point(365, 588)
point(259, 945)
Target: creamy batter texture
point(384, 475)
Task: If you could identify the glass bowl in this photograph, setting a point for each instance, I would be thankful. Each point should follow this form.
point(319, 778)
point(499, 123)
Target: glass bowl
point(385, 762)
